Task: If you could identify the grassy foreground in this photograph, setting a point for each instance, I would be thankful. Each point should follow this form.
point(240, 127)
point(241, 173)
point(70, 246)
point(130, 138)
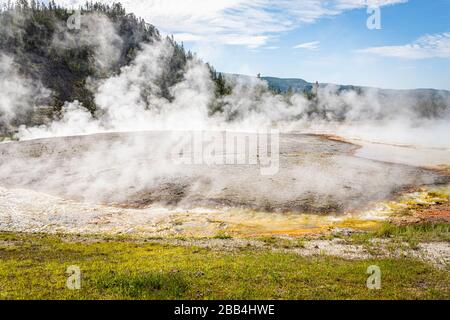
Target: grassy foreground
point(34, 267)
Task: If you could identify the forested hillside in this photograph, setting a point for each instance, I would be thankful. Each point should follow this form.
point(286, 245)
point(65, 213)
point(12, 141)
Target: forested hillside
point(30, 31)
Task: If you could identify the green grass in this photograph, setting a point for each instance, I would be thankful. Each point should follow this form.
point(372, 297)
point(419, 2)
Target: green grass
point(34, 267)
point(142, 285)
point(412, 233)
point(420, 232)
point(284, 243)
point(223, 236)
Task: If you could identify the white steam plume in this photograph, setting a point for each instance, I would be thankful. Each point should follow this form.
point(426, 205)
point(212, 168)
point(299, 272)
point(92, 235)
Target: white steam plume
point(131, 101)
point(18, 96)
point(134, 168)
point(96, 31)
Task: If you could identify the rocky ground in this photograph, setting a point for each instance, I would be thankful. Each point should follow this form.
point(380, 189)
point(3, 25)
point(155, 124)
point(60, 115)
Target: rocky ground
point(316, 175)
point(121, 182)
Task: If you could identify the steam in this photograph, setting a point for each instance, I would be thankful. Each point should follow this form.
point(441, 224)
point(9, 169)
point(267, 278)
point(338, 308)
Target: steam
point(131, 100)
point(117, 168)
point(95, 31)
point(18, 96)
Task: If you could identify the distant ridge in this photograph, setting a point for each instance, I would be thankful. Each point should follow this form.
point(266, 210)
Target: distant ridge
point(428, 102)
point(283, 85)
point(300, 85)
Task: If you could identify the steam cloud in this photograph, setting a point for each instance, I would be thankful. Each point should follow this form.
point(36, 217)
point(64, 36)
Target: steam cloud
point(18, 96)
point(131, 100)
point(107, 43)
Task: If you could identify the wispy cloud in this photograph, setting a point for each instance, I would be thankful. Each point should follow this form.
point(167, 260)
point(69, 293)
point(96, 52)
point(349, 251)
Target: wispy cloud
point(314, 45)
point(251, 23)
point(428, 46)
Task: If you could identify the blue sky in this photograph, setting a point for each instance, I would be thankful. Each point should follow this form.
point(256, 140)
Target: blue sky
point(323, 40)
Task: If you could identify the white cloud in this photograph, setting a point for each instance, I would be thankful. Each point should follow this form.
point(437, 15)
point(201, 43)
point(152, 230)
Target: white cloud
point(251, 23)
point(351, 4)
point(428, 46)
point(188, 37)
point(308, 45)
